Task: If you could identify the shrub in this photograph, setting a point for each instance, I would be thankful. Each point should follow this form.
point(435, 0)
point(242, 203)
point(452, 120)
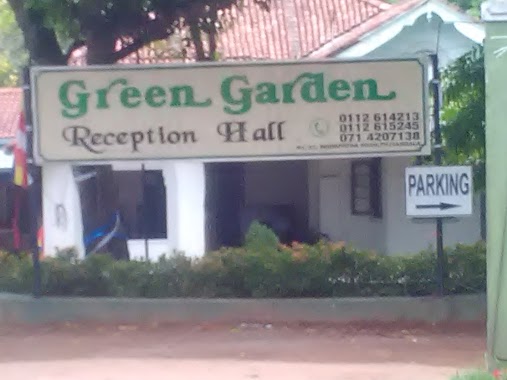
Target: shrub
point(262, 268)
point(261, 238)
point(477, 375)
point(467, 269)
point(15, 273)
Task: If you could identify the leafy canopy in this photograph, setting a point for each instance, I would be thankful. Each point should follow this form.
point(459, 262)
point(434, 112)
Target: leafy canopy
point(99, 24)
point(472, 7)
point(464, 113)
point(12, 52)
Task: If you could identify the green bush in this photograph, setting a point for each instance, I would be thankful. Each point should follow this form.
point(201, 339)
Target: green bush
point(477, 375)
point(15, 273)
point(262, 268)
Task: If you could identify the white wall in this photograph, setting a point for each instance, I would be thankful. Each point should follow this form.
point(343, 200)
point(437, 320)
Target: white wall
point(417, 32)
point(394, 233)
point(156, 249)
point(433, 26)
point(185, 190)
point(426, 35)
point(335, 217)
point(61, 210)
point(407, 235)
point(185, 187)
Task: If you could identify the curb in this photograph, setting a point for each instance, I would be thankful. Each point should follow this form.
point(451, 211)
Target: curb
point(16, 309)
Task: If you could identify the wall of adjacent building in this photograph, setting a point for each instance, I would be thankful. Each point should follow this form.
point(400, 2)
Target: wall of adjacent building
point(394, 233)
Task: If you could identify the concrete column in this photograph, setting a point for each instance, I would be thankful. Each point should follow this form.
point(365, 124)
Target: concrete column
point(314, 195)
point(495, 45)
point(185, 189)
point(63, 227)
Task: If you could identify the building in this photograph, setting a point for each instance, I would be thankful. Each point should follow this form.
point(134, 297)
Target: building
point(13, 201)
point(196, 206)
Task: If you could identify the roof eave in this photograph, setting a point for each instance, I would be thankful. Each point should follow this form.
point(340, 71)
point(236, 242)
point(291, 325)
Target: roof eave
point(389, 17)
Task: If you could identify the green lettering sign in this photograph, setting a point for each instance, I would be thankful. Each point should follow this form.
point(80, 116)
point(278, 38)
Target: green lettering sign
point(78, 106)
point(370, 87)
point(243, 101)
point(155, 96)
point(239, 96)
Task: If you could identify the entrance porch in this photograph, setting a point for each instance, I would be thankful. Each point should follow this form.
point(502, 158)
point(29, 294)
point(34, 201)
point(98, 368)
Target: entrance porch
point(196, 207)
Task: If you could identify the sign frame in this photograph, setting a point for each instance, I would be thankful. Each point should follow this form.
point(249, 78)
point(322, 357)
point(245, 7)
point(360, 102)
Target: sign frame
point(423, 150)
point(437, 205)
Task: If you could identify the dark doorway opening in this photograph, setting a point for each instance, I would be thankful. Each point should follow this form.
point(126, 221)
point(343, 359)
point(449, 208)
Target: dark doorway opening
point(273, 193)
point(225, 197)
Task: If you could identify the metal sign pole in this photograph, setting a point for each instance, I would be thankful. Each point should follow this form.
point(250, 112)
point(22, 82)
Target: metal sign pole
point(33, 188)
point(145, 214)
point(438, 162)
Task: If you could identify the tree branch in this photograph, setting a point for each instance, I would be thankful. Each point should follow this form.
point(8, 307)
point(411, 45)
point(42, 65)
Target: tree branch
point(154, 30)
point(212, 32)
point(76, 45)
point(127, 50)
point(195, 34)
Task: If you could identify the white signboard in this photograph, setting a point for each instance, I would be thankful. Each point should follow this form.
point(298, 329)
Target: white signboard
point(231, 111)
point(438, 191)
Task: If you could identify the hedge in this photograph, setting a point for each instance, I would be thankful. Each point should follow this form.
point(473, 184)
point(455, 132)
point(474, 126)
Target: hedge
point(261, 268)
point(481, 375)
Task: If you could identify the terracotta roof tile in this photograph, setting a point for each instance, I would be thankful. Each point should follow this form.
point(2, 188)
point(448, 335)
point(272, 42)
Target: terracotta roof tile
point(292, 29)
point(11, 101)
point(351, 37)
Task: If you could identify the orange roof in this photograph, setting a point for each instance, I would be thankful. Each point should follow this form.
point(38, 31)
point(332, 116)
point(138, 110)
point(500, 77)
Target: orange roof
point(11, 102)
point(292, 29)
point(349, 38)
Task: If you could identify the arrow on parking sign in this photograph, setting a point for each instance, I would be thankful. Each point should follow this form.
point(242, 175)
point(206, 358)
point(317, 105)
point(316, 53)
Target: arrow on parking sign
point(440, 206)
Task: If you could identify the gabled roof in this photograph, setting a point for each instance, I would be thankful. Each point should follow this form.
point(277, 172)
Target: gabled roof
point(369, 37)
point(11, 102)
point(352, 36)
point(292, 29)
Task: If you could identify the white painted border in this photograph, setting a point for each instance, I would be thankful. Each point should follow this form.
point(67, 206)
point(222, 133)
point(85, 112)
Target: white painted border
point(464, 24)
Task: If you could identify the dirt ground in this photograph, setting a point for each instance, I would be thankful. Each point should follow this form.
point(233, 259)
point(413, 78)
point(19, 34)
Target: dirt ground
point(239, 351)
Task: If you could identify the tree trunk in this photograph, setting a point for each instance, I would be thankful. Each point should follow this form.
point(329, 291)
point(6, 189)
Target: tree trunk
point(41, 42)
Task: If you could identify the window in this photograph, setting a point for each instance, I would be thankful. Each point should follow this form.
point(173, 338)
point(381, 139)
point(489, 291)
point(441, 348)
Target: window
point(142, 199)
point(6, 205)
point(153, 221)
point(10, 198)
point(366, 188)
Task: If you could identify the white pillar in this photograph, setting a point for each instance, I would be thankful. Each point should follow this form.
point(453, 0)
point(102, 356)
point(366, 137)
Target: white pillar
point(61, 207)
point(185, 189)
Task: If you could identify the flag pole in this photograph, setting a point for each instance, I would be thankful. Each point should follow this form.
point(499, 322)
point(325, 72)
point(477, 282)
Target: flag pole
point(33, 197)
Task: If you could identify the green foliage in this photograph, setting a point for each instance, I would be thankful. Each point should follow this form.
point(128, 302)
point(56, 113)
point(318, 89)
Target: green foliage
point(476, 375)
point(15, 273)
point(12, 52)
point(261, 237)
point(298, 270)
point(61, 15)
point(472, 7)
point(464, 112)
point(99, 23)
